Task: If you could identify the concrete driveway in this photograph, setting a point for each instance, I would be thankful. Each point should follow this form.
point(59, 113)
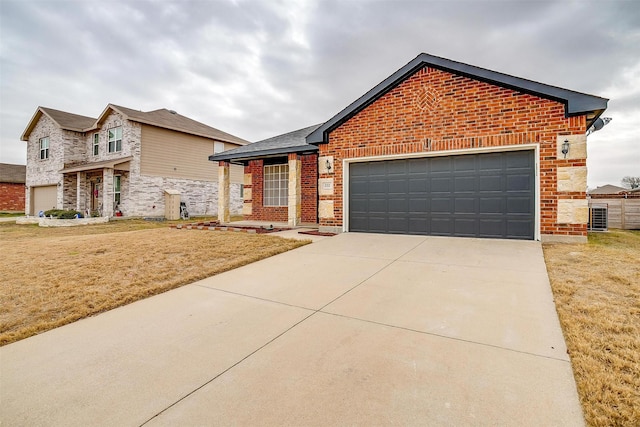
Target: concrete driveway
point(356, 329)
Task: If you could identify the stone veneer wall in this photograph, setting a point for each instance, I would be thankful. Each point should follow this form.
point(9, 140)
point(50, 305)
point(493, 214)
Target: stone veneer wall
point(44, 172)
point(140, 195)
point(433, 110)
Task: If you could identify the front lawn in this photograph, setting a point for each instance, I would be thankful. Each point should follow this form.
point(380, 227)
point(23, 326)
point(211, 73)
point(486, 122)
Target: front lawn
point(597, 294)
point(55, 276)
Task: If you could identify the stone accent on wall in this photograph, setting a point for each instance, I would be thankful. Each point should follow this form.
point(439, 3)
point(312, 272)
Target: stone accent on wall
point(295, 194)
point(247, 179)
point(247, 194)
point(573, 211)
point(577, 146)
point(223, 192)
point(325, 209)
point(322, 165)
point(572, 178)
point(325, 186)
point(246, 208)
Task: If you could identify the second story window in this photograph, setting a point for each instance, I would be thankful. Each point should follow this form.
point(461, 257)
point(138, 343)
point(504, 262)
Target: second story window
point(96, 144)
point(218, 147)
point(44, 148)
point(115, 139)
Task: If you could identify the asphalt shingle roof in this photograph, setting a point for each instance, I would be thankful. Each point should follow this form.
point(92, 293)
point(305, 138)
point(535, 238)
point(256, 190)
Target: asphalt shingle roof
point(171, 120)
point(15, 174)
point(69, 121)
point(291, 142)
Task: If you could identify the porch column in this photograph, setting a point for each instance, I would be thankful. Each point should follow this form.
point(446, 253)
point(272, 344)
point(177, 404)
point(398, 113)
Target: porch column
point(223, 192)
point(295, 190)
point(79, 192)
point(107, 192)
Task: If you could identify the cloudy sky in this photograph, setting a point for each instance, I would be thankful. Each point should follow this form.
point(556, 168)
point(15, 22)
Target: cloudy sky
point(260, 68)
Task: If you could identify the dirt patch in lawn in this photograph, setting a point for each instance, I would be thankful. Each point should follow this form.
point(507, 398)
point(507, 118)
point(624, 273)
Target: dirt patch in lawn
point(597, 294)
point(51, 277)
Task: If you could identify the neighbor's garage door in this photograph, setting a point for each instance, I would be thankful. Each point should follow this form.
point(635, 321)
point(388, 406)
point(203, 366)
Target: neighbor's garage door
point(471, 195)
point(44, 198)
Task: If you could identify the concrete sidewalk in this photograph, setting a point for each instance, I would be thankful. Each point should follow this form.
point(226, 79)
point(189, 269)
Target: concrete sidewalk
point(356, 329)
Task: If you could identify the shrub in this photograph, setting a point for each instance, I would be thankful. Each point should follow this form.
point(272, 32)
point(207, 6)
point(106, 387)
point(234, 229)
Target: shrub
point(62, 214)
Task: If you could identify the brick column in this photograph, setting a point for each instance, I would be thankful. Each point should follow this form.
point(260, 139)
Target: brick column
point(295, 190)
point(107, 192)
point(223, 192)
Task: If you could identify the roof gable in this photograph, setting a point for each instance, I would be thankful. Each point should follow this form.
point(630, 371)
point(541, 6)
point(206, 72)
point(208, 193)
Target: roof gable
point(62, 119)
point(608, 189)
point(576, 103)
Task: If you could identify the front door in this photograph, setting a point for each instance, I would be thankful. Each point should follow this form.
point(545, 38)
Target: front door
point(95, 195)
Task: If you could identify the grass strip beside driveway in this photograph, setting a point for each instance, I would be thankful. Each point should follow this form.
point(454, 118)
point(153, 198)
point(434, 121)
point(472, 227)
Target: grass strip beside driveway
point(597, 294)
point(51, 277)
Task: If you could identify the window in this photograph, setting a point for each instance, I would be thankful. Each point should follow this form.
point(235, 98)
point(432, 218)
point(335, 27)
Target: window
point(96, 144)
point(44, 148)
point(218, 147)
point(116, 190)
point(276, 185)
point(115, 139)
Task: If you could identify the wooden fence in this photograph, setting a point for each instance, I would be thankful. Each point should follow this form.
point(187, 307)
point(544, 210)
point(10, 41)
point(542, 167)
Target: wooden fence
point(623, 210)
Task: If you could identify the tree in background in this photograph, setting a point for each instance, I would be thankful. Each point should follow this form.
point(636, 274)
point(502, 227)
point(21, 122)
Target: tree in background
point(631, 182)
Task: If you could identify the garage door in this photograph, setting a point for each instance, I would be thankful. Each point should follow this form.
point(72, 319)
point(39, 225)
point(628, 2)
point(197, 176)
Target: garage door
point(44, 198)
point(472, 195)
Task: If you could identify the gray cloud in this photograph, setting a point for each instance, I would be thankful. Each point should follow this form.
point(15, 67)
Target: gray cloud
point(259, 68)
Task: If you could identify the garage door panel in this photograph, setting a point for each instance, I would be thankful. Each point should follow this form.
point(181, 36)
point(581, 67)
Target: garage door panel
point(377, 206)
point(441, 205)
point(490, 183)
point(481, 195)
point(418, 185)
point(398, 224)
point(519, 229)
point(467, 183)
point(520, 182)
point(491, 162)
point(463, 164)
point(441, 226)
point(418, 205)
point(491, 228)
point(518, 205)
point(439, 165)
point(490, 205)
point(441, 185)
point(398, 186)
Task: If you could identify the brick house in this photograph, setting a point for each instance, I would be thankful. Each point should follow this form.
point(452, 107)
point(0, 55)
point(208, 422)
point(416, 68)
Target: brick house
point(12, 180)
point(123, 162)
point(438, 148)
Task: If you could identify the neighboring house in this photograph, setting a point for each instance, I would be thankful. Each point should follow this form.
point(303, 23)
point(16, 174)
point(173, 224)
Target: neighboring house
point(608, 189)
point(438, 148)
point(12, 180)
point(124, 161)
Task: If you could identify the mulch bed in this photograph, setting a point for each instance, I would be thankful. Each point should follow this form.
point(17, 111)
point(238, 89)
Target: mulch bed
point(215, 226)
point(316, 233)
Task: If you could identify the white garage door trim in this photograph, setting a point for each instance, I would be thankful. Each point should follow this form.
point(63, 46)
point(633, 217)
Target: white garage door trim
point(503, 148)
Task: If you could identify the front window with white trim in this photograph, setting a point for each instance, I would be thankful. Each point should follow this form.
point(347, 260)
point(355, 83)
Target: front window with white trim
point(218, 147)
point(276, 185)
point(114, 138)
point(44, 148)
point(96, 144)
